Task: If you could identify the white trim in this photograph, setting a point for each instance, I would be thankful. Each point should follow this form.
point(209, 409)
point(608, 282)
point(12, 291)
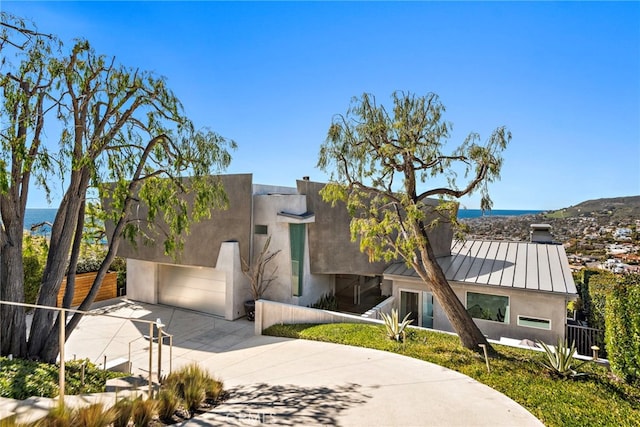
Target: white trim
point(535, 319)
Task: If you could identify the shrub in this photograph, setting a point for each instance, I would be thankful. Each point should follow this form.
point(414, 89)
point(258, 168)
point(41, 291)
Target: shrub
point(143, 411)
point(20, 379)
point(123, 410)
point(326, 302)
point(168, 402)
point(599, 286)
point(560, 360)
point(193, 385)
point(58, 416)
point(622, 334)
point(393, 327)
point(94, 415)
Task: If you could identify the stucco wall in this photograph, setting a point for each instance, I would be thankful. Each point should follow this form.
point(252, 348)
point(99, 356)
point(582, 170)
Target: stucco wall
point(526, 303)
point(266, 209)
point(202, 245)
point(142, 281)
point(331, 248)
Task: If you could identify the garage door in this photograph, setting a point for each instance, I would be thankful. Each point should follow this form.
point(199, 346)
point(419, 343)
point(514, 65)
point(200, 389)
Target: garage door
point(200, 289)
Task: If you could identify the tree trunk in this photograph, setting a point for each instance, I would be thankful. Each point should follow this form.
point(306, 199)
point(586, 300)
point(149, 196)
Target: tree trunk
point(62, 235)
point(12, 318)
point(430, 272)
point(51, 347)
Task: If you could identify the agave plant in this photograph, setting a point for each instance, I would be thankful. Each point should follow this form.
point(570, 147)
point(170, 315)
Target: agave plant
point(560, 360)
point(394, 328)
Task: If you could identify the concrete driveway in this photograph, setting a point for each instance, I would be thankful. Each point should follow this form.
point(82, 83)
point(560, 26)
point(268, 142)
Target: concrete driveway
point(289, 382)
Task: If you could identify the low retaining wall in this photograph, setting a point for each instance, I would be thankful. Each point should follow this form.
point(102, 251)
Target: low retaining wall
point(384, 307)
point(275, 313)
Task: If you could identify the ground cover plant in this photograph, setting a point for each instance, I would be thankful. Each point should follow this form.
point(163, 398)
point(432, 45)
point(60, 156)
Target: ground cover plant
point(596, 398)
point(20, 379)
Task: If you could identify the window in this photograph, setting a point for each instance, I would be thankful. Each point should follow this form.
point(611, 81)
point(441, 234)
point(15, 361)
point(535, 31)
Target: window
point(260, 229)
point(420, 305)
point(296, 236)
point(534, 322)
point(427, 310)
point(488, 307)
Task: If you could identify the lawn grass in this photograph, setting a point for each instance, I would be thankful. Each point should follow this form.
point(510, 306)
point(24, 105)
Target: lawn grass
point(596, 399)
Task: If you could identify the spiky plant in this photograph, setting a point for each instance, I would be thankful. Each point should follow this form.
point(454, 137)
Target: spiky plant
point(94, 415)
point(123, 410)
point(213, 389)
point(559, 360)
point(395, 329)
point(144, 410)
point(168, 402)
point(58, 416)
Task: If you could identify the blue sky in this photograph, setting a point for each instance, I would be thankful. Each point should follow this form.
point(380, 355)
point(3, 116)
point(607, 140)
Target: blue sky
point(563, 77)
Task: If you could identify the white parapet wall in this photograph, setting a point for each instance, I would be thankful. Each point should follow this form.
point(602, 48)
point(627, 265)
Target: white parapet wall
point(384, 307)
point(270, 313)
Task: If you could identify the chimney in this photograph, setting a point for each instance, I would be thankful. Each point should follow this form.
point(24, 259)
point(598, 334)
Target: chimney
point(305, 178)
point(540, 233)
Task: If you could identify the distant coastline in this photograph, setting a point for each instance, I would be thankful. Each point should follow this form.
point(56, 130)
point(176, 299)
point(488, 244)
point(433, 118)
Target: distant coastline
point(477, 213)
point(47, 215)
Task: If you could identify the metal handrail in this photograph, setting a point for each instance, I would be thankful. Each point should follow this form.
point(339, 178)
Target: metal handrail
point(62, 338)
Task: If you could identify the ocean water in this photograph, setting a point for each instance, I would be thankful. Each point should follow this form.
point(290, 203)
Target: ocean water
point(477, 213)
point(39, 216)
point(32, 217)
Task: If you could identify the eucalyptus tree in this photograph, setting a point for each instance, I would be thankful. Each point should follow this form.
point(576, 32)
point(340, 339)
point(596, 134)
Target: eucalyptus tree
point(380, 163)
point(27, 97)
point(124, 139)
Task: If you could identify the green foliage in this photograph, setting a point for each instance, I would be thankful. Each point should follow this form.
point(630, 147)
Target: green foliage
point(598, 284)
point(94, 415)
point(34, 258)
point(123, 411)
point(559, 360)
point(20, 379)
point(394, 329)
point(58, 416)
point(598, 399)
point(326, 302)
point(377, 159)
point(143, 412)
point(168, 402)
point(623, 328)
point(381, 163)
point(192, 385)
point(119, 125)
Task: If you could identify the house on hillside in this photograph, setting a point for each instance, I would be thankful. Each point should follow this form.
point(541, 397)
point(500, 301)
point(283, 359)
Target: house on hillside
point(317, 255)
point(518, 290)
point(515, 290)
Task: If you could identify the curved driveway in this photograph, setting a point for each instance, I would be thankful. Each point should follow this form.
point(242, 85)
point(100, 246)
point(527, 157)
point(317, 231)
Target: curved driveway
point(278, 381)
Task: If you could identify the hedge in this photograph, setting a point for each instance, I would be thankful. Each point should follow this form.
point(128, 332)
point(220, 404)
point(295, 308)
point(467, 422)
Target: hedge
point(622, 333)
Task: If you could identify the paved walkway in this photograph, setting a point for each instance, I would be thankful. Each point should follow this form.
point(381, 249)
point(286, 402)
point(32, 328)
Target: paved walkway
point(296, 382)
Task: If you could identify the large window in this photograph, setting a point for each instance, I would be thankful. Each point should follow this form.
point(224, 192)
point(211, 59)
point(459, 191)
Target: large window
point(488, 307)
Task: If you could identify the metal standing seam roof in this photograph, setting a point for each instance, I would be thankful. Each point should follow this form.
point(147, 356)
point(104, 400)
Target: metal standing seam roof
point(520, 265)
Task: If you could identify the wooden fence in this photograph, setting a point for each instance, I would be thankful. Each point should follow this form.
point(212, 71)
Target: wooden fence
point(107, 290)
